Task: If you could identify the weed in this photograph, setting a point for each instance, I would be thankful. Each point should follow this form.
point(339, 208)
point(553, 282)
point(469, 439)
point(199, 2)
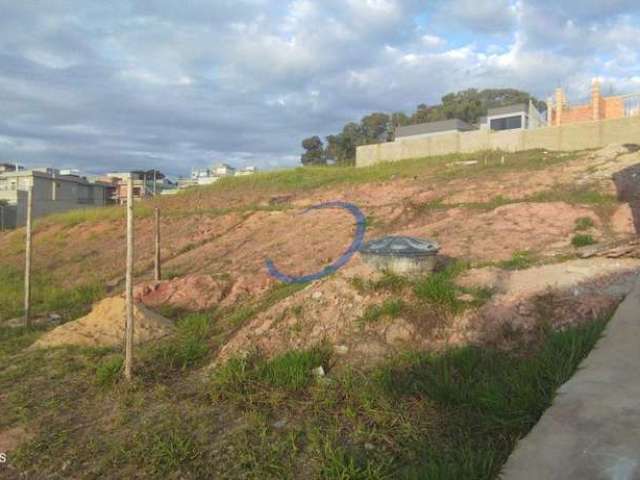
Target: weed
point(439, 289)
point(584, 223)
point(390, 308)
point(108, 371)
point(520, 260)
point(582, 240)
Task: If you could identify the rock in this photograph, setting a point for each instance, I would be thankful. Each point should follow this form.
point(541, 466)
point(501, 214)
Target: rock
point(54, 318)
point(316, 295)
point(369, 446)
point(318, 372)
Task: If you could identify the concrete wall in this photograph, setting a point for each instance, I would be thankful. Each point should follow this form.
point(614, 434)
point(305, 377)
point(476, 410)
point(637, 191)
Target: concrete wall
point(577, 136)
point(50, 195)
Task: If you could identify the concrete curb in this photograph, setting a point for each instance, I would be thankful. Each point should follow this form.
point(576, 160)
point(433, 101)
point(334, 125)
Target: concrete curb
point(592, 430)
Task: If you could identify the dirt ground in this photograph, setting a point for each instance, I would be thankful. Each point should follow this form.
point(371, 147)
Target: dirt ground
point(216, 257)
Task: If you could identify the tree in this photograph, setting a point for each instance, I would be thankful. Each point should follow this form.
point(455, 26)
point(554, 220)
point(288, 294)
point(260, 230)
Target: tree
point(314, 154)
point(467, 105)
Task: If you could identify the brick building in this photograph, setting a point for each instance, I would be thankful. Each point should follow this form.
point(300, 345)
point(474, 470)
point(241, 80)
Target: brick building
point(600, 108)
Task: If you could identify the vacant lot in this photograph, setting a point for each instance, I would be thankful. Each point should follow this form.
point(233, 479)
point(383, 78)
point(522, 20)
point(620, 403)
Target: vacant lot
point(429, 378)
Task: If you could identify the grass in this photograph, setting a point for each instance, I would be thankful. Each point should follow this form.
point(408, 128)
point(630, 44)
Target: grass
point(392, 307)
point(584, 223)
point(520, 260)
point(47, 297)
point(439, 288)
point(582, 240)
point(443, 416)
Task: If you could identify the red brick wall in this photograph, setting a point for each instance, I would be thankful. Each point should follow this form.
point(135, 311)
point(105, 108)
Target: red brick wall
point(613, 107)
point(610, 107)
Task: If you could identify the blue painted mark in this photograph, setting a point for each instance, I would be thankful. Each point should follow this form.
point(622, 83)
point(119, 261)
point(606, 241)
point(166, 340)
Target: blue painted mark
point(344, 258)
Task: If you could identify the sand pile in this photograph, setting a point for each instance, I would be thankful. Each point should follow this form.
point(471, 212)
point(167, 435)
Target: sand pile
point(104, 327)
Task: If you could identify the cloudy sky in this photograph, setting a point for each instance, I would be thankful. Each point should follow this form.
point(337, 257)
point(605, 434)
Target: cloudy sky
point(121, 84)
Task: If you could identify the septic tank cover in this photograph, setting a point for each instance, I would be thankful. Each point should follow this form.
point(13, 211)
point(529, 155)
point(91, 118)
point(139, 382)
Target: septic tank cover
point(400, 246)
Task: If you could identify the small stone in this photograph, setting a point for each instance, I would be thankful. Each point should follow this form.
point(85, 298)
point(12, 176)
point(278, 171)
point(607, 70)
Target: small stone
point(341, 349)
point(316, 295)
point(369, 446)
point(318, 372)
point(466, 297)
point(54, 318)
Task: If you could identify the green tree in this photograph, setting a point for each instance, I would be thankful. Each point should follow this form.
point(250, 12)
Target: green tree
point(314, 151)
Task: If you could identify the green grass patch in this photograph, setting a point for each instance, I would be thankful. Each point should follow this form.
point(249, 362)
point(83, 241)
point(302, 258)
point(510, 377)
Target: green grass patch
point(439, 288)
point(584, 223)
point(582, 240)
point(46, 296)
point(392, 308)
point(520, 260)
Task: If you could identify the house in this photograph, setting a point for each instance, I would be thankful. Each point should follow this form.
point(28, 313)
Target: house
point(52, 192)
point(207, 176)
point(223, 170)
point(598, 108)
point(9, 167)
point(246, 171)
point(146, 183)
point(511, 117)
point(431, 129)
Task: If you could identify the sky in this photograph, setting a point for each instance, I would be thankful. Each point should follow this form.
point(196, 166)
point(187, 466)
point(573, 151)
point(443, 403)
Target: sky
point(131, 84)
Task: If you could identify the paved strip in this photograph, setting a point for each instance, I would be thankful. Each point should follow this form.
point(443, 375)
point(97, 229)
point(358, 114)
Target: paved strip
point(592, 430)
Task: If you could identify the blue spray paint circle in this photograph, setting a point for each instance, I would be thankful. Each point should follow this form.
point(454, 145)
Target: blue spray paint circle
point(340, 262)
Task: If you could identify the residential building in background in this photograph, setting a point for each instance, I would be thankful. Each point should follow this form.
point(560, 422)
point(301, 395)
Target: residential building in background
point(431, 129)
point(9, 167)
point(512, 117)
point(207, 176)
point(146, 183)
point(52, 193)
point(598, 108)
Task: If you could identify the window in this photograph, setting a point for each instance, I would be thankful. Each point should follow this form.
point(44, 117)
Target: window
point(506, 123)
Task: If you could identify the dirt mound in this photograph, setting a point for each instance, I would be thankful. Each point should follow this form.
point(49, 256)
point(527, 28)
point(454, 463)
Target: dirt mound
point(193, 292)
point(337, 311)
point(104, 327)
point(200, 292)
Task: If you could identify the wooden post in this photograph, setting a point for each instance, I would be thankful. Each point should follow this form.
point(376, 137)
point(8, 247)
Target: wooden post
point(157, 272)
point(27, 262)
point(155, 181)
point(128, 342)
point(1, 218)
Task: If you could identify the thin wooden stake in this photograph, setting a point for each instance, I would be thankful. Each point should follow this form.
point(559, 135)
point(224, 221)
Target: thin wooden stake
point(128, 343)
point(27, 262)
point(157, 271)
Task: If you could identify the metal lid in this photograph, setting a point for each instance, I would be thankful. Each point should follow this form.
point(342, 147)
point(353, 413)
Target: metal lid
point(400, 246)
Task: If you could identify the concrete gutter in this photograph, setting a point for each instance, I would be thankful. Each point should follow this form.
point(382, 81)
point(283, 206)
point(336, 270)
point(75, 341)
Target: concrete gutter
point(592, 430)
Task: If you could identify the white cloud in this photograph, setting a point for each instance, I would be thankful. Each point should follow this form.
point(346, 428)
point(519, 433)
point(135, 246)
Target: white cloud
point(245, 80)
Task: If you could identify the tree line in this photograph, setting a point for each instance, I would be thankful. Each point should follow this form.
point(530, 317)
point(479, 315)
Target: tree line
point(467, 105)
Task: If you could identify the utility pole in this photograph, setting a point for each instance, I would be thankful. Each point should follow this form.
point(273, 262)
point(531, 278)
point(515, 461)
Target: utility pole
point(157, 273)
point(27, 262)
point(128, 342)
point(155, 181)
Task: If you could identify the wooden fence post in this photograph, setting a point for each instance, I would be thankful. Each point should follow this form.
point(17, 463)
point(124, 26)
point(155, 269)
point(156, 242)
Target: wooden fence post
point(128, 344)
point(27, 262)
point(157, 271)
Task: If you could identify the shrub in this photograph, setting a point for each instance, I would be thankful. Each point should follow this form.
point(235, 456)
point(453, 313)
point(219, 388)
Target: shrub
point(584, 223)
point(582, 240)
point(108, 371)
